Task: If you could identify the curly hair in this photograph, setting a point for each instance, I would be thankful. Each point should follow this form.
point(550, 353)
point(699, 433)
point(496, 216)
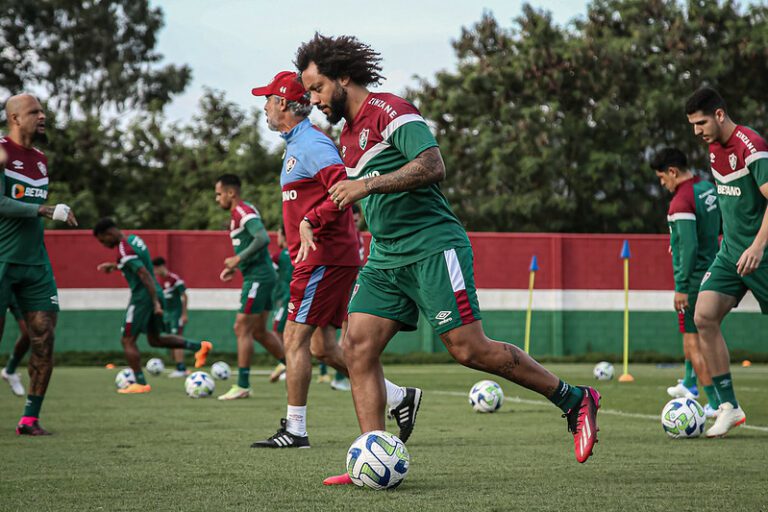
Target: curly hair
point(342, 56)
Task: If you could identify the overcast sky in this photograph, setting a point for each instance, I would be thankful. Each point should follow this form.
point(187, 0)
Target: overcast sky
point(234, 45)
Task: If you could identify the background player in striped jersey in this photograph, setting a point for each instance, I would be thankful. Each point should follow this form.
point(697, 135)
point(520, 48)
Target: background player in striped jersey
point(739, 160)
point(420, 258)
point(20, 348)
point(25, 270)
point(323, 246)
point(250, 241)
point(145, 310)
point(175, 313)
point(694, 228)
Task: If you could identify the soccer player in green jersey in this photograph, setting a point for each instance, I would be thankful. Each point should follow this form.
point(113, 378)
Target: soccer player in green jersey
point(739, 161)
point(175, 314)
point(145, 310)
point(694, 228)
point(20, 348)
point(25, 270)
point(250, 241)
point(420, 256)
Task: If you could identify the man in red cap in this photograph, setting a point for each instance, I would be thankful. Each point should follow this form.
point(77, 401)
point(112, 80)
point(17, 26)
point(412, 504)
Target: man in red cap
point(323, 245)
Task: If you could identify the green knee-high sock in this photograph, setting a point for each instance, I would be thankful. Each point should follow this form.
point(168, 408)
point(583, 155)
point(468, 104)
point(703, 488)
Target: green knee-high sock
point(140, 378)
point(690, 376)
point(194, 346)
point(12, 364)
point(323, 369)
point(724, 389)
point(33, 405)
point(566, 397)
point(243, 377)
point(712, 396)
point(181, 366)
point(339, 376)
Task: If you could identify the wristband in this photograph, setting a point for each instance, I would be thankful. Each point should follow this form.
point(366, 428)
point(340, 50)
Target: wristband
point(312, 224)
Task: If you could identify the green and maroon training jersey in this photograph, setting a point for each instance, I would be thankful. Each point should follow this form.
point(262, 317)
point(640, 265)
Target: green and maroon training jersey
point(694, 228)
point(132, 255)
point(386, 134)
point(740, 168)
point(246, 217)
point(25, 179)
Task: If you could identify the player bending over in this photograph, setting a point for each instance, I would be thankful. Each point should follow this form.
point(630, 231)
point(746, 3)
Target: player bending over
point(420, 257)
point(145, 310)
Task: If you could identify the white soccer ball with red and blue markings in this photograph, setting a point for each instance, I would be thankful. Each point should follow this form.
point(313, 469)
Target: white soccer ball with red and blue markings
point(155, 366)
point(199, 385)
point(125, 378)
point(378, 460)
point(683, 417)
point(486, 396)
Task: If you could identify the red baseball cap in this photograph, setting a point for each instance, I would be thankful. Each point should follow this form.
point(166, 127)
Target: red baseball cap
point(286, 85)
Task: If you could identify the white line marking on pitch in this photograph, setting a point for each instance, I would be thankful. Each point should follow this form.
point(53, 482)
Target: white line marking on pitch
point(518, 400)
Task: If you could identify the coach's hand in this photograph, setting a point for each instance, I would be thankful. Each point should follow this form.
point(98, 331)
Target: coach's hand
point(227, 274)
point(347, 192)
point(681, 301)
point(749, 260)
point(307, 237)
point(106, 267)
point(232, 262)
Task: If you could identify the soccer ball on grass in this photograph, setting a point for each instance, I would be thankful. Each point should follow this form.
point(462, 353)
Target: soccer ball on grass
point(603, 371)
point(199, 385)
point(220, 370)
point(155, 366)
point(683, 417)
point(125, 378)
point(486, 396)
point(378, 460)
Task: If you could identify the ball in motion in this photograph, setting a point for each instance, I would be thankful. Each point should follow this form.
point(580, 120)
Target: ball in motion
point(486, 396)
point(220, 370)
point(155, 366)
point(199, 385)
point(603, 371)
point(378, 460)
point(683, 417)
point(125, 378)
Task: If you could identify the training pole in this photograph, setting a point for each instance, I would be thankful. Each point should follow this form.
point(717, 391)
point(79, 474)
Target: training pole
point(531, 278)
point(626, 377)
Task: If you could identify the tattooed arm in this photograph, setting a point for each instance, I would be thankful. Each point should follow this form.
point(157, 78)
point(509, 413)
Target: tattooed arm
point(425, 169)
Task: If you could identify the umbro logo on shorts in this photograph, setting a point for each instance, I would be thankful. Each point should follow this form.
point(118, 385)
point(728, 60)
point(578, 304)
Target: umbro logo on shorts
point(444, 317)
point(55, 299)
point(706, 276)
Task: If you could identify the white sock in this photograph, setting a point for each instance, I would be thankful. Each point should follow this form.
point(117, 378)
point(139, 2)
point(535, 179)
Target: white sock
point(395, 394)
point(296, 420)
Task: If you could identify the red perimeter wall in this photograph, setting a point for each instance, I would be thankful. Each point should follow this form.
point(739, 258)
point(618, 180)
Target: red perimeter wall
point(566, 261)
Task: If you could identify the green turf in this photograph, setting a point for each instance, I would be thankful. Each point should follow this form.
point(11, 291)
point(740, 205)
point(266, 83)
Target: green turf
point(164, 451)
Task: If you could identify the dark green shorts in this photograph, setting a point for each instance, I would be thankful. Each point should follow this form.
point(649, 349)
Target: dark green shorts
point(140, 318)
point(32, 285)
point(686, 317)
point(15, 309)
point(172, 322)
point(723, 278)
point(256, 296)
point(441, 286)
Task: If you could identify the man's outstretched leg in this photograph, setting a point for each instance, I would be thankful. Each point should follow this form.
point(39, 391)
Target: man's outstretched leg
point(41, 325)
point(711, 308)
point(20, 349)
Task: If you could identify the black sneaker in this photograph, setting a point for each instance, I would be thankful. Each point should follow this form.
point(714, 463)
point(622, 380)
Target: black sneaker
point(31, 430)
point(405, 413)
point(283, 439)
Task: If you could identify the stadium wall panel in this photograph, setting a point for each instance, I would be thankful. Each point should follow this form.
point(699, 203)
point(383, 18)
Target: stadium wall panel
point(578, 301)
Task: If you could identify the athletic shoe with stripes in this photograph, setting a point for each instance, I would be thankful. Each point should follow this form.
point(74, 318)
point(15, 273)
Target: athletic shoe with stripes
point(405, 413)
point(582, 423)
point(283, 439)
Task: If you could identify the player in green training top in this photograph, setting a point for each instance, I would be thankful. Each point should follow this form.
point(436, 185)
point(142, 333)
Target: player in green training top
point(739, 160)
point(420, 256)
point(694, 228)
point(145, 311)
point(25, 270)
point(175, 314)
point(250, 241)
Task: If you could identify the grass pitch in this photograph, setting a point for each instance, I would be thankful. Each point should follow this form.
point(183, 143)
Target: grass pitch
point(164, 451)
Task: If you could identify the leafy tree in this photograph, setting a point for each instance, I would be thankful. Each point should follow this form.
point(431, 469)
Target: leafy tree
point(548, 128)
